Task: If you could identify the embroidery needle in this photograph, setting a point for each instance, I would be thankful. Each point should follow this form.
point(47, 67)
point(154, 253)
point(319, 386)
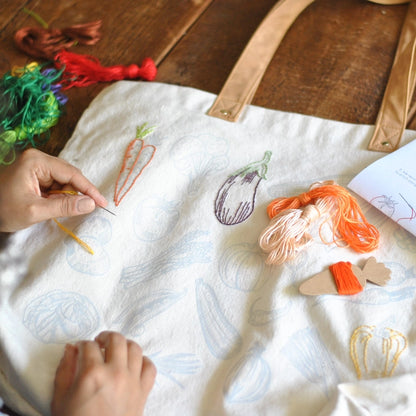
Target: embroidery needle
point(60, 191)
point(105, 209)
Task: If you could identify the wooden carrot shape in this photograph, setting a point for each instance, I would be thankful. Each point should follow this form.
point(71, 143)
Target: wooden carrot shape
point(344, 278)
point(136, 158)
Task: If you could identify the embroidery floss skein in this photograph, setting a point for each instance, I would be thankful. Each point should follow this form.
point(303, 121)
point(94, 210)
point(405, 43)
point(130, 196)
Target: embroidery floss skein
point(291, 218)
point(32, 105)
point(83, 70)
point(45, 42)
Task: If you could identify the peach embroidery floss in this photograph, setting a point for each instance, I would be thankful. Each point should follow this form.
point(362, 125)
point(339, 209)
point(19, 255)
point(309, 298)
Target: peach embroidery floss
point(291, 218)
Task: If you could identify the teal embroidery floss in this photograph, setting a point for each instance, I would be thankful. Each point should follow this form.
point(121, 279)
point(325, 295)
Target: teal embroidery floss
point(31, 105)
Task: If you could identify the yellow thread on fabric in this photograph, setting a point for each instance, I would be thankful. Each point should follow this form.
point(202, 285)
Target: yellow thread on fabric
point(394, 336)
point(71, 234)
point(66, 230)
point(365, 332)
point(353, 347)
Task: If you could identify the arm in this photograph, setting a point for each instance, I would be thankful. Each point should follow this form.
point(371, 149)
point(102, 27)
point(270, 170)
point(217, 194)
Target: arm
point(24, 187)
point(106, 377)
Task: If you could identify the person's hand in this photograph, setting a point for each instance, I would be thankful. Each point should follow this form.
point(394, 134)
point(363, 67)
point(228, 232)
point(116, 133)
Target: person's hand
point(106, 377)
point(24, 187)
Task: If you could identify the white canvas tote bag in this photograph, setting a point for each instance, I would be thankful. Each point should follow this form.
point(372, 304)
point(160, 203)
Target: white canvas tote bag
point(180, 271)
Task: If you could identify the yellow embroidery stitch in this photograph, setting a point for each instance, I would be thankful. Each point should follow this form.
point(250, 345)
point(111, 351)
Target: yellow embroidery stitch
point(392, 346)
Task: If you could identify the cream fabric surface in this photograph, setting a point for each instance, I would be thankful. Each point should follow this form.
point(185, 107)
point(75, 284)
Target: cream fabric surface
point(228, 334)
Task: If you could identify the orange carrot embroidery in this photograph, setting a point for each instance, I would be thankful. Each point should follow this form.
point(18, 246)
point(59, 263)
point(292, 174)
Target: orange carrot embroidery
point(137, 156)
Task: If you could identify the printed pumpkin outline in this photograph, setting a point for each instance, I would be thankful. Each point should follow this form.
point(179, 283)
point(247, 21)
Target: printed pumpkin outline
point(136, 158)
point(236, 197)
point(391, 345)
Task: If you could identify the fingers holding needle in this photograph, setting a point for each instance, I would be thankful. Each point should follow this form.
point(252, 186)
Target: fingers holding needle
point(68, 192)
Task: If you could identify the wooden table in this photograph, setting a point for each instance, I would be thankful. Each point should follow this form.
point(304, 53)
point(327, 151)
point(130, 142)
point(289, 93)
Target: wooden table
point(333, 63)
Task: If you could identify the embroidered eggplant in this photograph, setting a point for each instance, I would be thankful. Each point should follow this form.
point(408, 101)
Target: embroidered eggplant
point(236, 197)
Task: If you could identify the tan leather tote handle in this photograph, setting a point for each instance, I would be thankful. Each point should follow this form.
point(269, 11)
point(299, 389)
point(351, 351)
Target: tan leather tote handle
point(242, 83)
point(392, 117)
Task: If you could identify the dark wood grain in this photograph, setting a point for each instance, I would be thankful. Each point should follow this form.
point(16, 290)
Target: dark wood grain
point(131, 30)
point(333, 63)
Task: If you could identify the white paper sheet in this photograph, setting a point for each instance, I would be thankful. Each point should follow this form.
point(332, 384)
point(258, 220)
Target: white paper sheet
point(389, 184)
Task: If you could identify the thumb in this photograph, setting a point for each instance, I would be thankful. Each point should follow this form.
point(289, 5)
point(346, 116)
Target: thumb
point(67, 206)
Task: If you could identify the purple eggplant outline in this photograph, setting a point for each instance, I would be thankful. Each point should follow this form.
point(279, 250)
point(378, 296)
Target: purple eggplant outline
point(250, 177)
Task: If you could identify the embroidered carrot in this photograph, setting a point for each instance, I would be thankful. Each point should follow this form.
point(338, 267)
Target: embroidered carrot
point(343, 278)
point(136, 158)
point(236, 197)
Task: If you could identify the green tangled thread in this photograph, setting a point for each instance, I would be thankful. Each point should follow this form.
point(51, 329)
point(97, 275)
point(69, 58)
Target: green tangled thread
point(28, 109)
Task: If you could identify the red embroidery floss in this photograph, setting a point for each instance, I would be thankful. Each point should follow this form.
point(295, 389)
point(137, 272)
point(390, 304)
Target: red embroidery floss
point(83, 70)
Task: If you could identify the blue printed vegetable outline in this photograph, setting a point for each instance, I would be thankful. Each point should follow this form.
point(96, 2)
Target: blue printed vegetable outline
point(236, 197)
point(96, 231)
point(308, 355)
point(154, 218)
point(259, 317)
point(371, 297)
point(222, 339)
point(249, 379)
point(199, 157)
point(150, 305)
point(183, 253)
point(242, 267)
point(60, 317)
point(181, 364)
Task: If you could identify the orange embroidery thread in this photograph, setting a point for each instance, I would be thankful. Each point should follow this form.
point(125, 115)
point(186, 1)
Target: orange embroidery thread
point(291, 218)
point(346, 281)
point(133, 164)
